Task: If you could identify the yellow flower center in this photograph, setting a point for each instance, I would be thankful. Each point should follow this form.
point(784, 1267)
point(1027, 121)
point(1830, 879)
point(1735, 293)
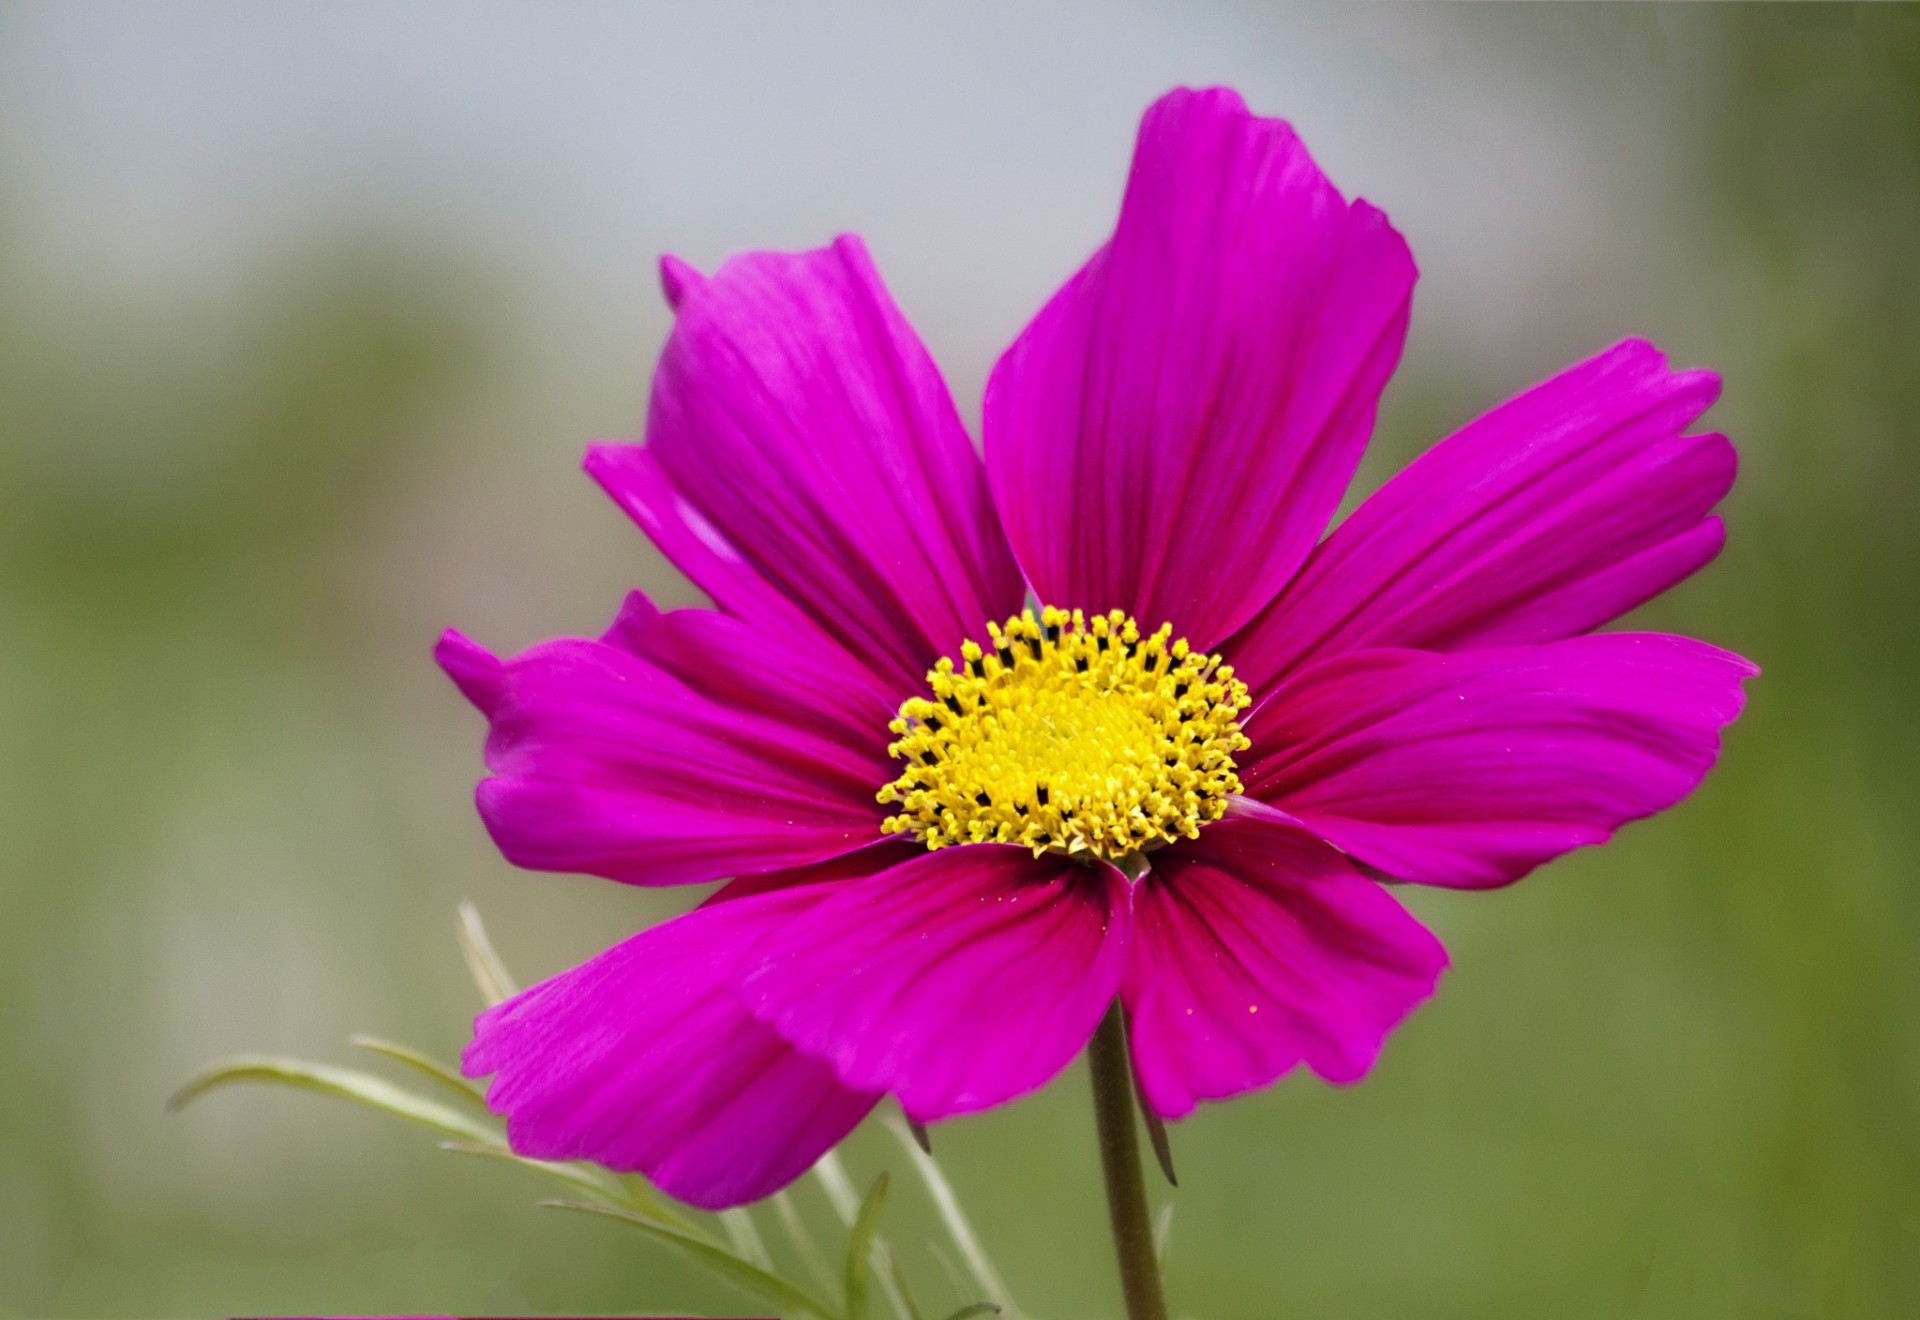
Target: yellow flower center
point(1068, 734)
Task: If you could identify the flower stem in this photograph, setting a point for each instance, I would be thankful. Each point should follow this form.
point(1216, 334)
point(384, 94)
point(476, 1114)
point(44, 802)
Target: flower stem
point(1120, 1161)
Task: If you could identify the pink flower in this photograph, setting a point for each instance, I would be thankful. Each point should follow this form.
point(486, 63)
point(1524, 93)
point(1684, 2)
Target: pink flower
point(948, 859)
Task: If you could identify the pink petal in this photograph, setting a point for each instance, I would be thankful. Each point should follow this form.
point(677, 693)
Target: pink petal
point(632, 476)
point(808, 436)
point(1555, 513)
point(646, 1060)
point(607, 764)
point(820, 689)
point(1471, 769)
point(862, 862)
point(957, 981)
point(1257, 947)
point(1172, 432)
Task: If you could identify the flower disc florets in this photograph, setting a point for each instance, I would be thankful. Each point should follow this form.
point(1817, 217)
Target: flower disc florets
point(1069, 734)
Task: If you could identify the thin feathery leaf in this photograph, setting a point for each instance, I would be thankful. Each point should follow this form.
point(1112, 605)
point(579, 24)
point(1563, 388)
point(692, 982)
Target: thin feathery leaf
point(581, 1177)
point(343, 1083)
point(947, 1267)
point(846, 1204)
point(838, 1187)
point(490, 975)
point(866, 1225)
point(447, 1079)
point(716, 1260)
point(965, 1240)
point(745, 1237)
point(899, 1278)
point(803, 1244)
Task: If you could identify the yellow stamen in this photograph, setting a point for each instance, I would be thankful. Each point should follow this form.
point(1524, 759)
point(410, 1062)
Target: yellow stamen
point(1068, 734)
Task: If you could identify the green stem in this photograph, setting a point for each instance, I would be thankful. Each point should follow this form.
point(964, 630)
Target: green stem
point(1120, 1161)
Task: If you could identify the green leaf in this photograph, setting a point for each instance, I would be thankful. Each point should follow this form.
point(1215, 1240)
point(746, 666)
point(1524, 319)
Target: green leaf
point(860, 1248)
point(803, 1244)
point(977, 1308)
point(495, 983)
point(947, 1267)
point(838, 1187)
point(902, 1291)
point(951, 1215)
point(846, 1204)
point(581, 1177)
point(344, 1083)
point(449, 1080)
point(716, 1260)
point(745, 1237)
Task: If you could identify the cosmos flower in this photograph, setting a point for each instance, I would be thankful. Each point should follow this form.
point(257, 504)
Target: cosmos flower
point(956, 825)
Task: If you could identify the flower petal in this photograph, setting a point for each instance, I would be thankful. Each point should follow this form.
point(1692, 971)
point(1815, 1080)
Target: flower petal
point(801, 422)
point(727, 660)
point(1172, 432)
point(645, 1059)
point(870, 860)
point(632, 476)
point(1257, 947)
point(1472, 768)
point(957, 981)
point(1555, 513)
point(607, 764)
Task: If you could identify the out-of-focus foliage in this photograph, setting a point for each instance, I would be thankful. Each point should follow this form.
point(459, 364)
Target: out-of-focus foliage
point(1679, 1077)
point(727, 1247)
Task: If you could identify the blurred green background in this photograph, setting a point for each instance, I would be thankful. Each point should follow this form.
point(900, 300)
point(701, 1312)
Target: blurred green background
point(305, 315)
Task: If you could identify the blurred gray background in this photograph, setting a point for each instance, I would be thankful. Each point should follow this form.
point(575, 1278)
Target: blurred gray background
point(306, 313)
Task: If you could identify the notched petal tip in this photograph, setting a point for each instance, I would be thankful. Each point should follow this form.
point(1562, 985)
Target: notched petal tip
point(1216, 100)
point(1384, 245)
point(1636, 354)
point(628, 630)
point(606, 458)
point(476, 671)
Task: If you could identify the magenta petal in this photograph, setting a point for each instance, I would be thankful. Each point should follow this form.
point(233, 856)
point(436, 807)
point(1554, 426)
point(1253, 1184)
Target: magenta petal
point(957, 981)
point(607, 764)
point(645, 1060)
point(1551, 515)
point(1472, 768)
point(870, 860)
point(727, 660)
point(1257, 947)
point(807, 438)
point(1172, 432)
point(632, 476)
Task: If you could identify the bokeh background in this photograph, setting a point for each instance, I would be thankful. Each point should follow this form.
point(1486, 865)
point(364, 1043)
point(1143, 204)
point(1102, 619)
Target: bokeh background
point(306, 312)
